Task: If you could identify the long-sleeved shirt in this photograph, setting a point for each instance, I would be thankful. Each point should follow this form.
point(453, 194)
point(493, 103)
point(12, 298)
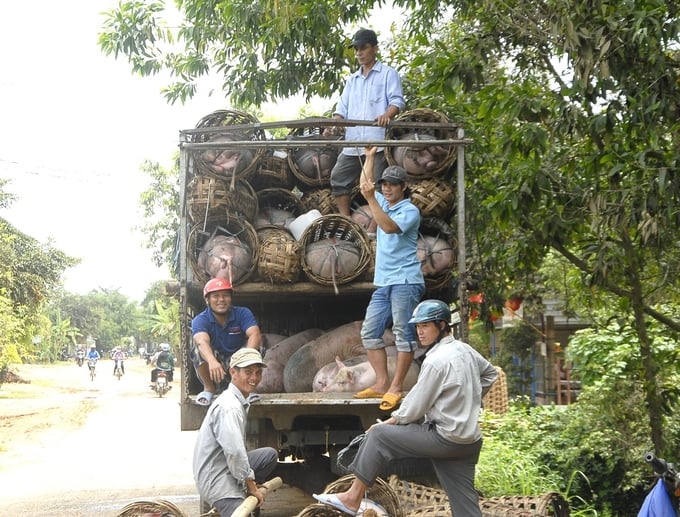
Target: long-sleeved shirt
point(449, 390)
point(220, 462)
point(364, 98)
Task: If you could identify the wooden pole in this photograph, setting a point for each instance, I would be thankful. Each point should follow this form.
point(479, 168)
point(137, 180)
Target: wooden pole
point(250, 502)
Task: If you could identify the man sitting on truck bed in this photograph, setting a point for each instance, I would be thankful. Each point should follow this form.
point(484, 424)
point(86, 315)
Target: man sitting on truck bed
point(219, 331)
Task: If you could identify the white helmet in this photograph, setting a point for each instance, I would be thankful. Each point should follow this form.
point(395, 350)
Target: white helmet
point(165, 347)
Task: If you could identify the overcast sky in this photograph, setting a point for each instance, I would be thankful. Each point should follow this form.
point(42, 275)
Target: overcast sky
point(75, 126)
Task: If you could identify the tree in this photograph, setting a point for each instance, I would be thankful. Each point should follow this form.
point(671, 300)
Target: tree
point(573, 108)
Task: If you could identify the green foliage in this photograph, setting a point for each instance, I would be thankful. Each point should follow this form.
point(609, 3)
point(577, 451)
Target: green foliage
point(516, 356)
point(160, 209)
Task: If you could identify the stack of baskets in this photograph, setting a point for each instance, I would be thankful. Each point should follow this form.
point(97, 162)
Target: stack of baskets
point(250, 193)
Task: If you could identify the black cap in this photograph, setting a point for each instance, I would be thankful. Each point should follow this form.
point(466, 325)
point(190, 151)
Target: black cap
point(363, 36)
point(394, 174)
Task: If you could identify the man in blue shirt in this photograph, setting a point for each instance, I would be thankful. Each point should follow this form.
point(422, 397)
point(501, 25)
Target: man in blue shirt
point(371, 93)
point(398, 278)
point(219, 331)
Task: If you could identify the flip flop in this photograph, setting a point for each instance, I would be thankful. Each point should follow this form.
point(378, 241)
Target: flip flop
point(368, 393)
point(390, 401)
point(332, 500)
point(204, 398)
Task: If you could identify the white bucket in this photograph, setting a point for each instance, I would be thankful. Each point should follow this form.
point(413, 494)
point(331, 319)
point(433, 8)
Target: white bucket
point(298, 225)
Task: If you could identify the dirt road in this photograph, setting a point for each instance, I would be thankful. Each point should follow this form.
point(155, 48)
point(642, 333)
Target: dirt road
point(74, 447)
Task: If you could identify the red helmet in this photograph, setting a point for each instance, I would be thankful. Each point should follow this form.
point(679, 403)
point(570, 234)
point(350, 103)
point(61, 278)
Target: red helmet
point(216, 284)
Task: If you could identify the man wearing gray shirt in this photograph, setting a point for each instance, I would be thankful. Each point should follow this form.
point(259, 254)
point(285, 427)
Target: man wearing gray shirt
point(224, 471)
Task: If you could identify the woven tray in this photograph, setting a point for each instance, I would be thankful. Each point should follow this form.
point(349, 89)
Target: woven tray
point(278, 260)
point(433, 196)
point(273, 171)
point(212, 198)
point(330, 230)
point(496, 399)
point(232, 226)
point(401, 155)
point(381, 492)
point(320, 199)
point(158, 507)
point(311, 166)
point(208, 161)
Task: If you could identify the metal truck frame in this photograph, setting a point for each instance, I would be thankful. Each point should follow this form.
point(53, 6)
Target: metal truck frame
point(298, 425)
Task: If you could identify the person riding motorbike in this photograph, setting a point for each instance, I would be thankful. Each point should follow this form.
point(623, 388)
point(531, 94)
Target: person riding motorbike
point(80, 356)
point(163, 361)
point(93, 354)
point(118, 356)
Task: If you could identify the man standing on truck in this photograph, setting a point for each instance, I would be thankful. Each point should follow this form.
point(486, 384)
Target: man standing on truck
point(218, 332)
point(224, 471)
point(373, 92)
point(398, 278)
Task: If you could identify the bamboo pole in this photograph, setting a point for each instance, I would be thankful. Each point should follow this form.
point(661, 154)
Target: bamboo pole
point(250, 502)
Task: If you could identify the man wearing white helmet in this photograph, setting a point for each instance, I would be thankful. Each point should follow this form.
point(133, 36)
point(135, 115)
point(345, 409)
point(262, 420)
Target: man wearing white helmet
point(438, 418)
point(219, 331)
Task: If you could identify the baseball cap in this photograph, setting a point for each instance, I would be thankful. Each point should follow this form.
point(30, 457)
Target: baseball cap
point(363, 36)
point(393, 174)
point(246, 357)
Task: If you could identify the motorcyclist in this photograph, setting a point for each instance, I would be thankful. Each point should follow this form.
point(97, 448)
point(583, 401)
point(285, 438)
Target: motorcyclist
point(118, 356)
point(80, 356)
point(164, 361)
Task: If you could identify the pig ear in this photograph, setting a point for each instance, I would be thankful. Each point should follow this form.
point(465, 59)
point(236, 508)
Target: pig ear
point(339, 362)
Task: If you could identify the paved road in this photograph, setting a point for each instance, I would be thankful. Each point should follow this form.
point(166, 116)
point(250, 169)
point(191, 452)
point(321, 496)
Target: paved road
point(129, 449)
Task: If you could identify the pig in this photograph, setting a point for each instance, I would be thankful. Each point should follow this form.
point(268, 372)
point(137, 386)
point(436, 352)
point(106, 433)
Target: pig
point(363, 217)
point(228, 162)
point(315, 164)
point(419, 161)
point(273, 216)
point(343, 341)
point(225, 256)
point(356, 374)
point(332, 260)
point(277, 356)
point(436, 255)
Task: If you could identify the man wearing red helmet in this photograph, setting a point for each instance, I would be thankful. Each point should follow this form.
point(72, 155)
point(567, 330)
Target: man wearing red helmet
point(219, 331)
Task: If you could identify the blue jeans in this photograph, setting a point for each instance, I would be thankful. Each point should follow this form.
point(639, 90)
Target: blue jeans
point(392, 304)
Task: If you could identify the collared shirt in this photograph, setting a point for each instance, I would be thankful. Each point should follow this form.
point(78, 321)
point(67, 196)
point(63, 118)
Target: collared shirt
point(220, 461)
point(232, 336)
point(449, 390)
point(396, 260)
point(364, 98)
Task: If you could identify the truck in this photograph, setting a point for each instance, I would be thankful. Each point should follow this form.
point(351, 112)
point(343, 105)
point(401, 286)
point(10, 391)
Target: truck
point(301, 426)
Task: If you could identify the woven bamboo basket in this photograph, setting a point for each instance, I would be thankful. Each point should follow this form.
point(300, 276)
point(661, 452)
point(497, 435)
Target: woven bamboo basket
point(212, 198)
point(273, 171)
point(433, 196)
point(320, 199)
point(433, 230)
point(423, 501)
point(311, 166)
point(381, 492)
point(334, 233)
point(407, 156)
point(496, 399)
point(231, 227)
point(158, 507)
point(277, 206)
point(241, 162)
point(367, 276)
point(278, 259)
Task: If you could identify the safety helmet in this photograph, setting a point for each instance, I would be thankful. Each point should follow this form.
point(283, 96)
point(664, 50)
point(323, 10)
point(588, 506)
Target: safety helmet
point(165, 347)
point(216, 284)
point(431, 310)
point(93, 346)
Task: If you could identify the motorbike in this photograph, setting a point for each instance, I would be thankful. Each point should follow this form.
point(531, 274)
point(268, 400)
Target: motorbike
point(80, 359)
point(92, 364)
point(664, 499)
point(161, 386)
